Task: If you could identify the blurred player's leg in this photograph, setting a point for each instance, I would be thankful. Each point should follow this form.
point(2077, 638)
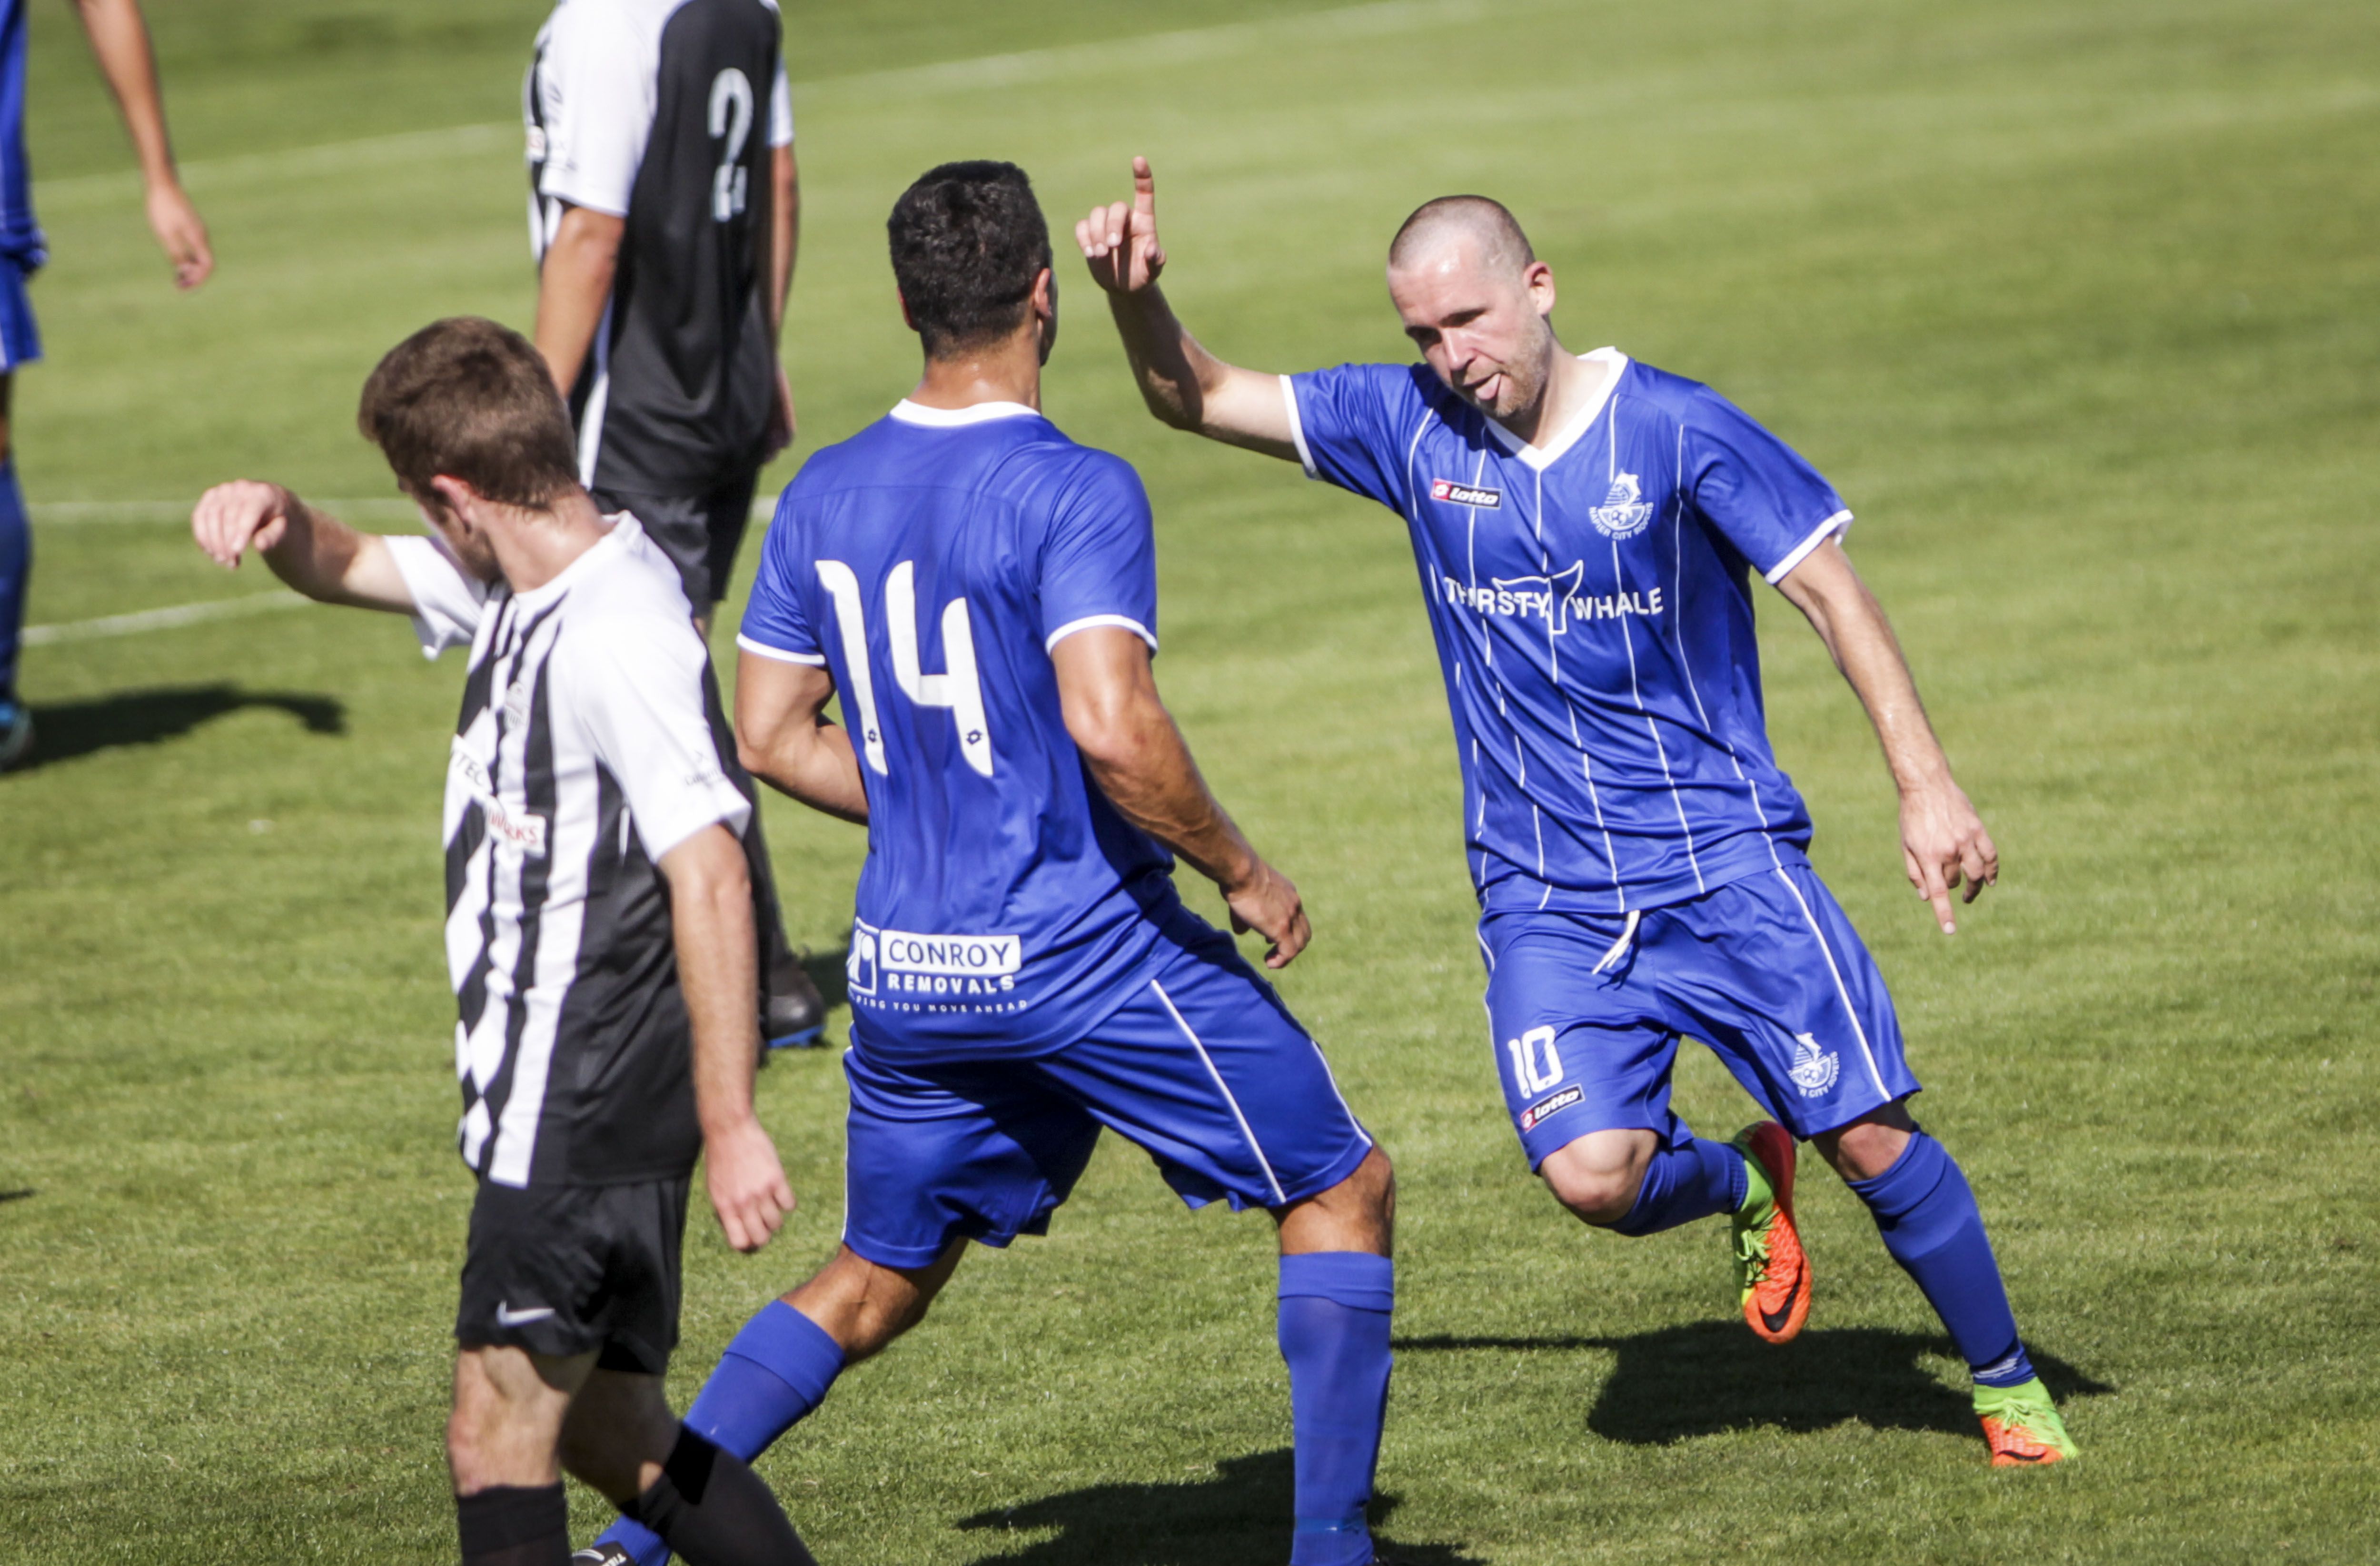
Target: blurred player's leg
point(16, 572)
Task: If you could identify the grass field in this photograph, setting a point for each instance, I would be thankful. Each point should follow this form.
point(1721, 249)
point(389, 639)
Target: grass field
point(2076, 304)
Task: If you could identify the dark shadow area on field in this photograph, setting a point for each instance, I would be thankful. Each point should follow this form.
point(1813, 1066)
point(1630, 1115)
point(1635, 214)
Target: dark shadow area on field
point(827, 971)
point(73, 729)
point(18, 1195)
point(1715, 1376)
point(1240, 1514)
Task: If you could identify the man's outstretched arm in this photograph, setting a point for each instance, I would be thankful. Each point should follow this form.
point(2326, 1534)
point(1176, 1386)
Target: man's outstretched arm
point(783, 735)
point(1139, 760)
point(314, 552)
point(1943, 843)
point(1184, 384)
point(120, 40)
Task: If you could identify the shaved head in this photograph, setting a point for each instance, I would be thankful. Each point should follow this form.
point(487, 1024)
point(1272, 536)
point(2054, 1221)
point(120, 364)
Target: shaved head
point(1486, 223)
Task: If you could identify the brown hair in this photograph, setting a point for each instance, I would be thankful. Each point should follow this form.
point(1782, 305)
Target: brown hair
point(472, 400)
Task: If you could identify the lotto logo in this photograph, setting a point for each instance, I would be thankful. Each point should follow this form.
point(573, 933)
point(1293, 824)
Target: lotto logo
point(1465, 494)
point(1536, 1112)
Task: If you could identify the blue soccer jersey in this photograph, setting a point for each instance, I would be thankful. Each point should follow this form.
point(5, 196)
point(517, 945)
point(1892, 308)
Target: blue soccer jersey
point(20, 236)
point(930, 562)
point(1592, 605)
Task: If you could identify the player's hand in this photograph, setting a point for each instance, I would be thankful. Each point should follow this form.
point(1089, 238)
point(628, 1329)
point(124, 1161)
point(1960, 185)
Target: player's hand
point(1120, 241)
point(747, 1184)
point(181, 234)
point(1944, 846)
point(782, 426)
point(233, 519)
point(1267, 903)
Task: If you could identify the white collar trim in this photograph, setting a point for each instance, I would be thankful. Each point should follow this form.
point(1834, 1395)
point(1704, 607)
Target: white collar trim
point(1544, 457)
point(909, 412)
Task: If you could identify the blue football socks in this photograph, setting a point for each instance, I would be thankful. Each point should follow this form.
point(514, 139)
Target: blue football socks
point(778, 1369)
point(15, 569)
point(1684, 1184)
point(1928, 1216)
point(1335, 1307)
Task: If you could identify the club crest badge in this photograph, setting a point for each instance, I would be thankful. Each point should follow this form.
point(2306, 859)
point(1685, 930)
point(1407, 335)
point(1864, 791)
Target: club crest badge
point(1814, 1070)
point(1624, 513)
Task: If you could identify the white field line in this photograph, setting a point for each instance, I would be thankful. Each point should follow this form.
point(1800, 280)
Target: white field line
point(1092, 62)
point(114, 512)
point(83, 512)
point(160, 619)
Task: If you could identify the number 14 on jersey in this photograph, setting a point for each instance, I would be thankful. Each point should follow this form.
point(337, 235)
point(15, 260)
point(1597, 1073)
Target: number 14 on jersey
point(957, 687)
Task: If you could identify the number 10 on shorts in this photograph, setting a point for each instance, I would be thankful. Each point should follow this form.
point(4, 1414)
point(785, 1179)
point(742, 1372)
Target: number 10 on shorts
point(1535, 1064)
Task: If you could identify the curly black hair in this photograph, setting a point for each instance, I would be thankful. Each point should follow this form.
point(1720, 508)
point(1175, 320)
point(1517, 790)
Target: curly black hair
point(968, 238)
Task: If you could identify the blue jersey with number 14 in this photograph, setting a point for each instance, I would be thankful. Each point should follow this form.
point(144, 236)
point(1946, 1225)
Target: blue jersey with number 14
point(930, 562)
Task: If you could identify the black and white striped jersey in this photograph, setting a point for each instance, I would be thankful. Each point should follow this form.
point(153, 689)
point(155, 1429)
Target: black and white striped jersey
point(583, 753)
point(662, 111)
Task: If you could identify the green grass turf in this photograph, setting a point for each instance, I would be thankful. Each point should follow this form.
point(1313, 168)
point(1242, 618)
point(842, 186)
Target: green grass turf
point(2074, 303)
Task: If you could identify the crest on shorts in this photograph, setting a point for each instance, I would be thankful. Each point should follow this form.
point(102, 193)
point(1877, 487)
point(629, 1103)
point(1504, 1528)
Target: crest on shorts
point(1815, 1070)
point(1624, 512)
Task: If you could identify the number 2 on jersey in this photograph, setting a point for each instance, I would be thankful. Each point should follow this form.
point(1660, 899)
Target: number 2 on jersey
point(731, 116)
point(957, 687)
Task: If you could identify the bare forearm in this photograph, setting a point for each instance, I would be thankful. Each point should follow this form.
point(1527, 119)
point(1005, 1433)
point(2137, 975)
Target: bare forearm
point(817, 767)
point(1146, 772)
point(119, 39)
point(719, 974)
point(1175, 373)
point(784, 234)
point(574, 286)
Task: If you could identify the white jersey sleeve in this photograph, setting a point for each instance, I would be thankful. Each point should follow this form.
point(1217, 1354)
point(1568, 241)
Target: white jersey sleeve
point(597, 82)
point(633, 680)
point(780, 110)
point(448, 599)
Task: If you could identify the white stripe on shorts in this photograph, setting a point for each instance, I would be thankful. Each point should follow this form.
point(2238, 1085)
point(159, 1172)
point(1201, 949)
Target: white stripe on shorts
point(1279, 1197)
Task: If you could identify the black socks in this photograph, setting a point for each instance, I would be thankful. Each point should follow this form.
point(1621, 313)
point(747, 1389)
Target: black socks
point(713, 1510)
point(512, 1526)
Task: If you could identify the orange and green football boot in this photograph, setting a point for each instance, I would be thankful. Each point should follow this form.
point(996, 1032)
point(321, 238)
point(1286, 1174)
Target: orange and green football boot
point(1771, 1265)
point(2022, 1426)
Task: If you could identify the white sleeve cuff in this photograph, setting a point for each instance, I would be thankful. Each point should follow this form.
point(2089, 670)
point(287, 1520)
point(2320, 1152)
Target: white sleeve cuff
point(1297, 427)
point(1839, 522)
point(761, 650)
point(1120, 622)
point(562, 188)
point(723, 807)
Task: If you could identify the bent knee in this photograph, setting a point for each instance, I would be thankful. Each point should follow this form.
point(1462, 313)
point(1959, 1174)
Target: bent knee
point(1600, 1196)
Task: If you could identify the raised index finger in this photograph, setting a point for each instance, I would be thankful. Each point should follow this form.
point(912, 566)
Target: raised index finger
point(1144, 188)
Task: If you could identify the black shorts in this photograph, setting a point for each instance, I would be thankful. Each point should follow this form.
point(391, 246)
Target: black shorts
point(573, 1270)
point(700, 533)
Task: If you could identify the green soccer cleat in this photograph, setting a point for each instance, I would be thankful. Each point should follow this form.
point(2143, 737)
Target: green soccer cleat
point(1771, 1268)
point(2022, 1426)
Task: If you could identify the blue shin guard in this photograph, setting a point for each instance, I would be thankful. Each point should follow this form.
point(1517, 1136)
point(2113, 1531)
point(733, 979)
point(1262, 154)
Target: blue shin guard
point(1928, 1216)
point(1335, 1309)
point(778, 1369)
point(1684, 1184)
point(15, 570)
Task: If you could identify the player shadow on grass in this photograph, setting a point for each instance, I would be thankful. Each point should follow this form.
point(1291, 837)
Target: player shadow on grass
point(1240, 1514)
point(72, 728)
point(1713, 1377)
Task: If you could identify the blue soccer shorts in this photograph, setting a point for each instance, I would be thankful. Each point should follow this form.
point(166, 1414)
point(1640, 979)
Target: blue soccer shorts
point(1201, 1066)
point(1766, 970)
point(20, 337)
